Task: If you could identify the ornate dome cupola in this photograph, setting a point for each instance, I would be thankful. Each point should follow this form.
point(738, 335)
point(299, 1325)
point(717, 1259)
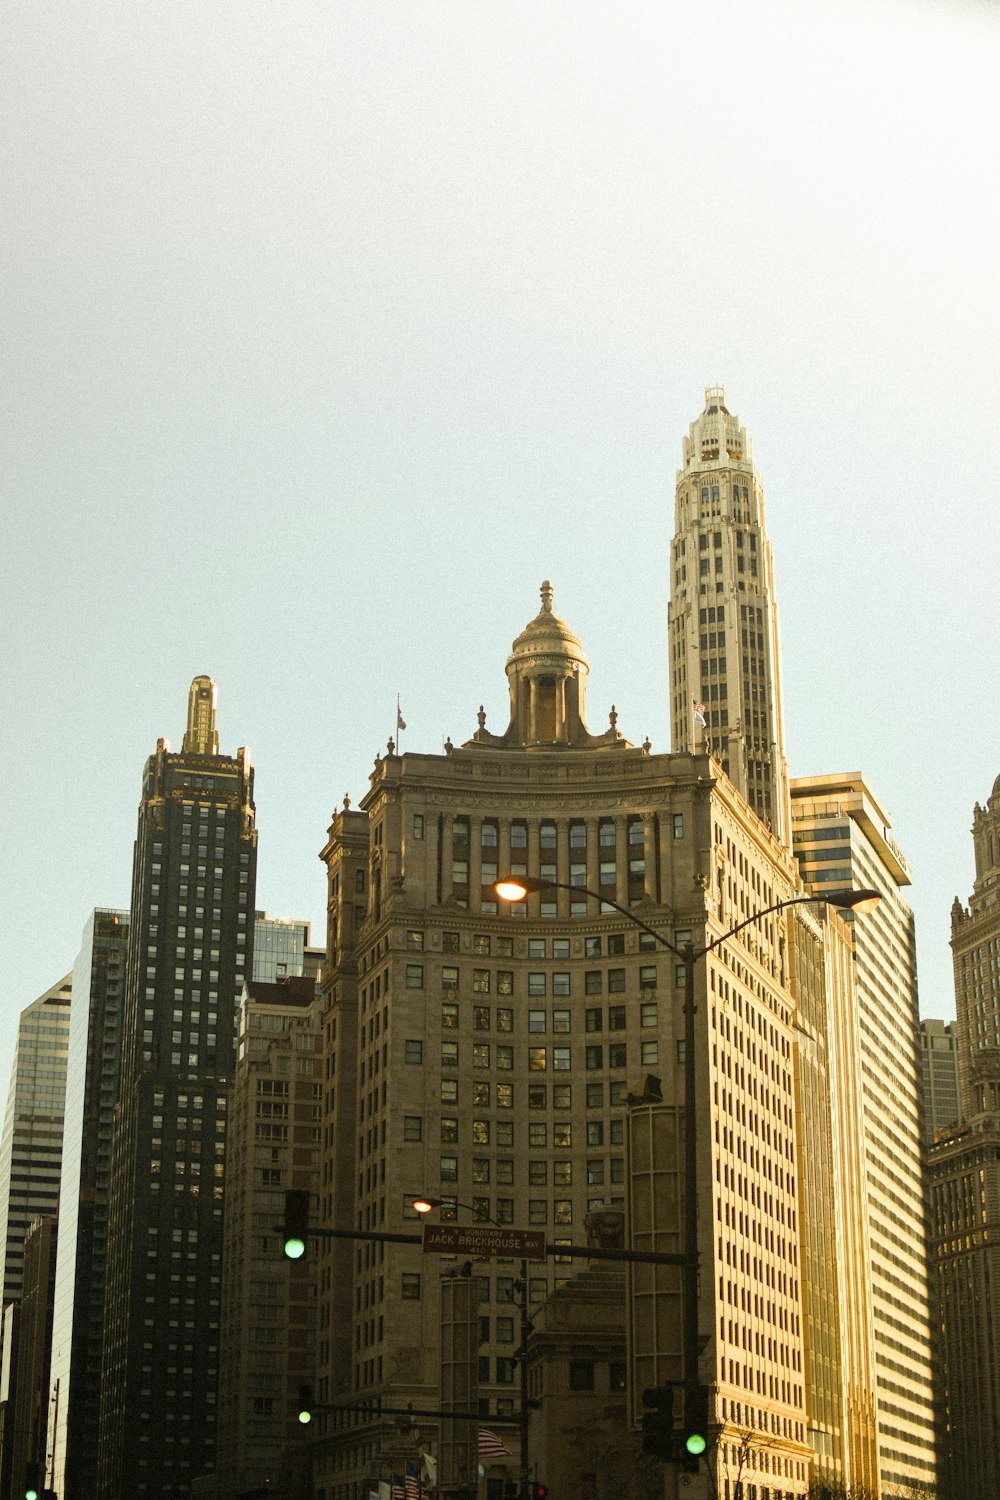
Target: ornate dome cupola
point(547, 671)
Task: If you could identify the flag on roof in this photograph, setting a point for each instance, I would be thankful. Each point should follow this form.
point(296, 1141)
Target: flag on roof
point(699, 714)
point(412, 1481)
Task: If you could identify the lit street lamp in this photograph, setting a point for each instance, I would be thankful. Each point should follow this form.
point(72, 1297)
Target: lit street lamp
point(516, 888)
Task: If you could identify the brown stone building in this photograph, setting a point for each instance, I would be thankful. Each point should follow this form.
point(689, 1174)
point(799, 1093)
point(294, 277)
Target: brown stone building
point(484, 1055)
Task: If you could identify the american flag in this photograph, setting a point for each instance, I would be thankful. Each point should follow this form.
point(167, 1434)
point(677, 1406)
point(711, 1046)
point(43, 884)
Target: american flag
point(398, 1491)
point(490, 1446)
point(699, 714)
point(412, 1481)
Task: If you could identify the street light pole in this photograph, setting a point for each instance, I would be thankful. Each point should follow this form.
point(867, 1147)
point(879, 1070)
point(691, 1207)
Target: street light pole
point(515, 888)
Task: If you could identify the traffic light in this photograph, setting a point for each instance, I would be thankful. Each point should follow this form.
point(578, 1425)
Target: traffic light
point(539, 1491)
point(305, 1414)
point(696, 1403)
point(32, 1481)
point(658, 1422)
point(296, 1234)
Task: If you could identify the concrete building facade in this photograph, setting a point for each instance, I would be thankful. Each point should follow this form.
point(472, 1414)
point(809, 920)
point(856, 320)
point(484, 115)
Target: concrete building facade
point(939, 1070)
point(268, 1303)
point(964, 1172)
point(841, 838)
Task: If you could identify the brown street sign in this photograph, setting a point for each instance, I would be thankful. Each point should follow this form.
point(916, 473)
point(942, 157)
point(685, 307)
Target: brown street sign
point(482, 1240)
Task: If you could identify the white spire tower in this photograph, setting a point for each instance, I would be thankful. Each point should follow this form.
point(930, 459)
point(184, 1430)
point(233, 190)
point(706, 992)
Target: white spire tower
point(725, 660)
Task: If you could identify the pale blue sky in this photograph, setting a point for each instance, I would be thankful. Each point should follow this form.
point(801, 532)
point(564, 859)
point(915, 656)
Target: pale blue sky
point(331, 329)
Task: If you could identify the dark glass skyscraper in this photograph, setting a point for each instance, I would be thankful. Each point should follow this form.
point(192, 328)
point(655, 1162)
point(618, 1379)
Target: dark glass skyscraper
point(190, 945)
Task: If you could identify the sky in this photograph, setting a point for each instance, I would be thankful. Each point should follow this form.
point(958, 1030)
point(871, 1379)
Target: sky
point(330, 330)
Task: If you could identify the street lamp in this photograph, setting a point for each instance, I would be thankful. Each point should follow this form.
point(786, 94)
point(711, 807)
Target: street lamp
point(423, 1206)
point(515, 888)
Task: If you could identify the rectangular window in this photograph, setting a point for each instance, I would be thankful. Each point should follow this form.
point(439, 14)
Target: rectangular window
point(411, 1286)
point(504, 1133)
point(616, 943)
point(647, 977)
point(562, 1095)
point(560, 1059)
point(480, 981)
point(412, 1128)
point(536, 1020)
point(648, 1013)
point(538, 1211)
point(616, 1018)
point(449, 1017)
point(560, 983)
point(595, 1095)
point(481, 1054)
point(592, 947)
point(538, 1136)
point(536, 984)
point(505, 1018)
point(414, 976)
point(594, 1057)
point(480, 1169)
point(449, 977)
point(415, 941)
point(595, 1133)
point(449, 1129)
point(616, 1055)
point(449, 1091)
point(504, 1058)
point(536, 948)
point(481, 1018)
point(505, 982)
point(536, 1059)
point(481, 944)
point(480, 1132)
point(449, 1168)
point(449, 942)
point(562, 1174)
point(413, 1052)
point(649, 1054)
point(519, 835)
point(505, 1096)
point(562, 1211)
point(616, 981)
point(449, 1054)
point(537, 1096)
point(538, 1174)
point(562, 1133)
point(505, 1171)
point(561, 1021)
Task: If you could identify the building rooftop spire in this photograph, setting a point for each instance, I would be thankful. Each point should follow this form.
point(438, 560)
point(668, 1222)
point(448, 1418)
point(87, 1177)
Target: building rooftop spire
point(201, 736)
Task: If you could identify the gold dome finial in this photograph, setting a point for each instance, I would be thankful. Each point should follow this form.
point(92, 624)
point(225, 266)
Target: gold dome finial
point(546, 592)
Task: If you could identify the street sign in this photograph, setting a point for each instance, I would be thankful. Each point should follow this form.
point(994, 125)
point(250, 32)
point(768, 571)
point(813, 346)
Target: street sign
point(483, 1240)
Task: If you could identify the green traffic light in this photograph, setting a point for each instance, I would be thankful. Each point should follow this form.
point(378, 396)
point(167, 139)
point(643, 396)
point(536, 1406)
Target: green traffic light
point(31, 1495)
point(305, 1417)
point(696, 1443)
point(295, 1249)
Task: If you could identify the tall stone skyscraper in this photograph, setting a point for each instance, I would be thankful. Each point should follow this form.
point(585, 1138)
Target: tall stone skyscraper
point(725, 661)
point(190, 947)
point(964, 1170)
